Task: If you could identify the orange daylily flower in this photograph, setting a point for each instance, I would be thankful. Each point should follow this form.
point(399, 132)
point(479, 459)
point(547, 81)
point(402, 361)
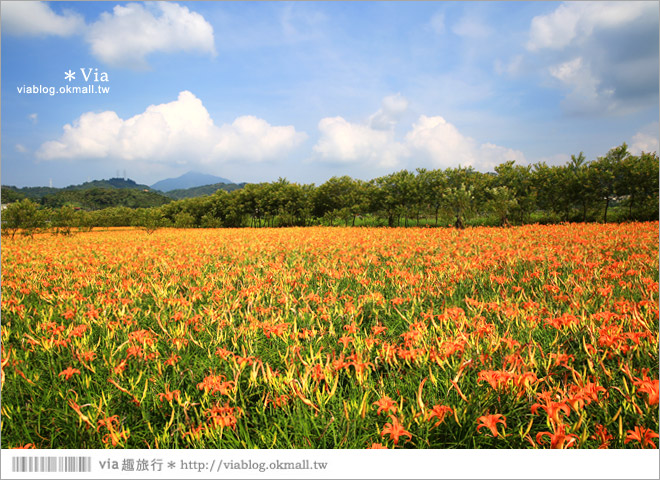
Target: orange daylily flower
point(69, 372)
point(169, 396)
point(490, 422)
point(377, 446)
point(643, 435)
point(558, 440)
point(107, 422)
point(553, 409)
point(602, 435)
point(395, 429)
point(651, 388)
point(386, 404)
point(439, 412)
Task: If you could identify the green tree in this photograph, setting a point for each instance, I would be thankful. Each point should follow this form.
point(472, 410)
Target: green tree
point(432, 185)
point(502, 203)
point(25, 216)
point(149, 219)
point(606, 176)
point(518, 181)
point(63, 220)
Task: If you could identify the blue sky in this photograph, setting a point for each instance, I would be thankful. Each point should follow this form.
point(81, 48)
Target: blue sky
point(308, 90)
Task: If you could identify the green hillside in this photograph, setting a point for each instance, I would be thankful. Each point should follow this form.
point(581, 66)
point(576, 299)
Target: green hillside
point(99, 198)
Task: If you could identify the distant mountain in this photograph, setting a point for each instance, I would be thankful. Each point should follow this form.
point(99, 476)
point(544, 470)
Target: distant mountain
point(178, 194)
point(188, 180)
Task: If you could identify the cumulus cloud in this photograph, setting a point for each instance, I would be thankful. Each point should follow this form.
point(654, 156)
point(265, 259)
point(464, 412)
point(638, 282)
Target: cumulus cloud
point(131, 32)
point(122, 38)
point(253, 139)
point(585, 93)
point(179, 132)
point(441, 145)
point(620, 41)
point(391, 111)
point(647, 140)
point(431, 141)
point(574, 21)
point(345, 142)
point(37, 18)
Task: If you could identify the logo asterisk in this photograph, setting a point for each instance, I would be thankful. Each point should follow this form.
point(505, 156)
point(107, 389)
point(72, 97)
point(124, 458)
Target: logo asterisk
point(171, 465)
point(69, 75)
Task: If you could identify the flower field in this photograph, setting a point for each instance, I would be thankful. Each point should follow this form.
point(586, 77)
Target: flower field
point(528, 337)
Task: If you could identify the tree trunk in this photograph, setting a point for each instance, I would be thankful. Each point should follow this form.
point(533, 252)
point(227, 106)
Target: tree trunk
point(607, 204)
point(630, 207)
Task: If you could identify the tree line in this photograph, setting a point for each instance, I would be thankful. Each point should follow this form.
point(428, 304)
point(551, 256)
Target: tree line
point(618, 186)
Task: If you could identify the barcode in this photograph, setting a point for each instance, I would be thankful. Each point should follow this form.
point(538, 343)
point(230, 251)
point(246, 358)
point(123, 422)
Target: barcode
point(51, 464)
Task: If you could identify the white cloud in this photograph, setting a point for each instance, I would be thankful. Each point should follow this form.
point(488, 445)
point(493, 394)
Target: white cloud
point(34, 118)
point(440, 144)
point(647, 140)
point(122, 38)
point(431, 141)
point(20, 148)
point(131, 32)
point(253, 139)
point(573, 21)
point(393, 107)
point(179, 132)
point(92, 135)
point(584, 91)
point(345, 142)
point(37, 18)
point(605, 54)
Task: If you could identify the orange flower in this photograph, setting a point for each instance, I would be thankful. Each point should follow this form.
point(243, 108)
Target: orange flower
point(496, 379)
point(377, 446)
point(643, 435)
point(172, 360)
point(169, 396)
point(439, 412)
point(213, 383)
point(651, 388)
point(385, 404)
point(345, 340)
point(395, 429)
point(553, 409)
point(558, 440)
point(69, 372)
point(107, 422)
point(490, 422)
point(602, 435)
